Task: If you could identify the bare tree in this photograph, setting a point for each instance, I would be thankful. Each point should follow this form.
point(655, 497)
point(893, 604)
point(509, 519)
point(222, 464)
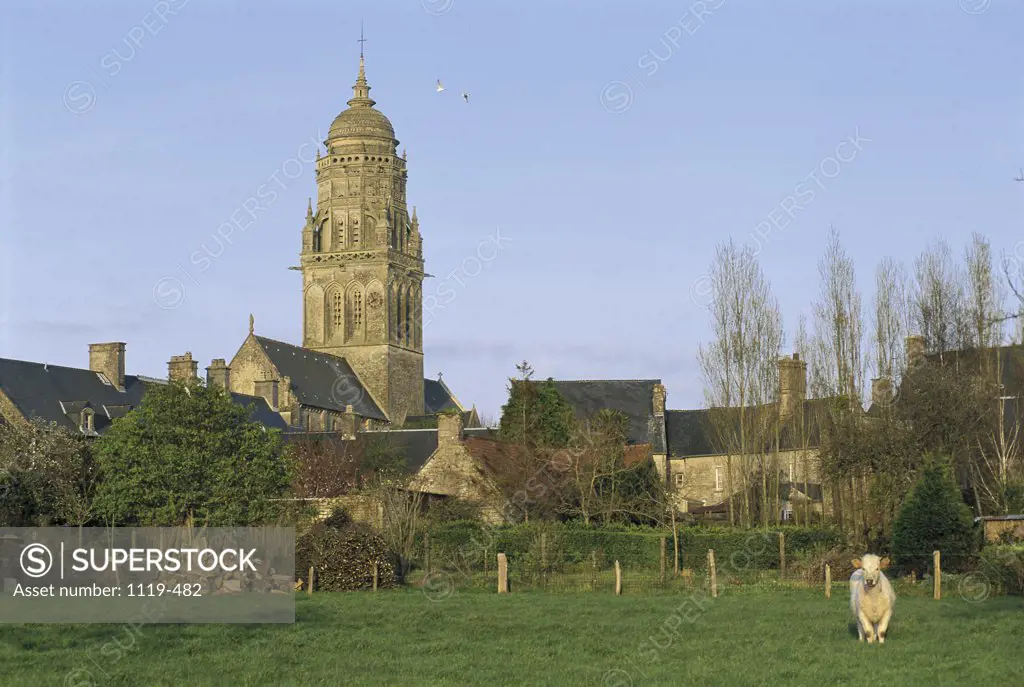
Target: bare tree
point(937, 301)
point(739, 364)
point(984, 297)
point(890, 319)
point(837, 353)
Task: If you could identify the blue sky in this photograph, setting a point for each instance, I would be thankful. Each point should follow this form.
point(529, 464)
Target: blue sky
point(612, 144)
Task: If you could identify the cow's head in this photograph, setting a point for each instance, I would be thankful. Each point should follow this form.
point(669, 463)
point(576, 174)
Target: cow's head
point(872, 566)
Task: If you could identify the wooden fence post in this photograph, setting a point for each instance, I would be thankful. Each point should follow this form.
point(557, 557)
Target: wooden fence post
point(593, 570)
point(618, 579)
point(782, 555)
point(828, 581)
point(309, 587)
point(664, 558)
point(502, 574)
point(938, 575)
point(712, 573)
point(376, 575)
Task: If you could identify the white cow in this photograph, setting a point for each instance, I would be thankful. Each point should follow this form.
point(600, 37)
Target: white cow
point(871, 597)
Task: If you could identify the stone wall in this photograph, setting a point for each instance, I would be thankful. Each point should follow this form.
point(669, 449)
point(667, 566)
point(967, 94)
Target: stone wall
point(695, 478)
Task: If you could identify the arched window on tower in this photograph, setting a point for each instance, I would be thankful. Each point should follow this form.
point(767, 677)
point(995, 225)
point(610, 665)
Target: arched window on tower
point(396, 317)
point(355, 234)
point(357, 309)
point(337, 318)
point(316, 239)
point(406, 330)
point(339, 234)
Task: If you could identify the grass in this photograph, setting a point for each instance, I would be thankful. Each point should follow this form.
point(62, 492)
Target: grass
point(746, 637)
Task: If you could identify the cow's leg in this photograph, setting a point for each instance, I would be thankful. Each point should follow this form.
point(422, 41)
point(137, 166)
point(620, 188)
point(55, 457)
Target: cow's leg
point(869, 630)
point(883, 626)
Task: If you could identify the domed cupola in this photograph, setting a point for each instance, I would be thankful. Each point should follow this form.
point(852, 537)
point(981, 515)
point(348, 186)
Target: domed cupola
point(361, 128)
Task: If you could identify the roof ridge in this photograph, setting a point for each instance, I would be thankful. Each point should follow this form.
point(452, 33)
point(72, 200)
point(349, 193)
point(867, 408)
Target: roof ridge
point(578, 381)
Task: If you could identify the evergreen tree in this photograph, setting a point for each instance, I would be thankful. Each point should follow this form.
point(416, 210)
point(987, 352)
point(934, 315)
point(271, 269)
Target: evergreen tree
point(536, 414)
point(933, 517)
point(188, 451)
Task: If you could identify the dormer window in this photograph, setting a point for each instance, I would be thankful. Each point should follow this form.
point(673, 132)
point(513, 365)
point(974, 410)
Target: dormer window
point(87, 424)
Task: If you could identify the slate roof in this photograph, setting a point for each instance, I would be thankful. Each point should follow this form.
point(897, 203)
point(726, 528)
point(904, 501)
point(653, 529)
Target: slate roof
point(469, 420)
point(320, 380)
point(415, 445)
point(632, 397)
point(38, 390)
point(688, 432)
point(438, 397)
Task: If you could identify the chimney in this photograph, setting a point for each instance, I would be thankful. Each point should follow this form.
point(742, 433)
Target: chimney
point(915, 346)
point(348, 423)
point(659, 399)
point(108, 359)
point(881, 391)
point(182, 368)
point(792, 386)
point(449, 428)
point(219, 374)
point(267, 388)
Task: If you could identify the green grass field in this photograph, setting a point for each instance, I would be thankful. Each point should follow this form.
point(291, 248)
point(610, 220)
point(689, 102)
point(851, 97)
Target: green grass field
point(749, 637)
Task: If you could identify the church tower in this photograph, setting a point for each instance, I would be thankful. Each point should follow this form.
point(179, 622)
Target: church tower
point(362, 258)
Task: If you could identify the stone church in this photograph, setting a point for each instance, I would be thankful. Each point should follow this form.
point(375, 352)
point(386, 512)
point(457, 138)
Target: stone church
point(362, 293)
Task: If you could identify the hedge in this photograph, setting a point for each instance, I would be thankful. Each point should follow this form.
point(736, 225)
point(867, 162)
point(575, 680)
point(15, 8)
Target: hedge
point(1003, 566)
point(464, 543)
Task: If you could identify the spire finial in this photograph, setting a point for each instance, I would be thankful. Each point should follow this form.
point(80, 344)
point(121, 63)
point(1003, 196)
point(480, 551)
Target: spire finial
point(414, 219)
point(252, 323)
point(309, 207)
point(361, 91)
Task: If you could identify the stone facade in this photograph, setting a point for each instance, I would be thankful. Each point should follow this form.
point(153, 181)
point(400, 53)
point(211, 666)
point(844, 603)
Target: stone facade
point(705, 479)
point(362, 259)
point(250, 366)
point(453, 471)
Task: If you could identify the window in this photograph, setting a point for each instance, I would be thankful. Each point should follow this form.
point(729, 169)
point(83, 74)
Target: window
point(340, 234)
point(408, 318)
point(336, 309)
point(87, 424)
point(355, 235)
point(787, 514)
point(357, 310)
point(718, 479)
point(679, 480)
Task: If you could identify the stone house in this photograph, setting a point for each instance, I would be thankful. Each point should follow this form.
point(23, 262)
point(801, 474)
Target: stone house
point(89, 400)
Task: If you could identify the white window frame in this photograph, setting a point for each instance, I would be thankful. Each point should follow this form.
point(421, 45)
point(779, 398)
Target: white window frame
point(718, 478)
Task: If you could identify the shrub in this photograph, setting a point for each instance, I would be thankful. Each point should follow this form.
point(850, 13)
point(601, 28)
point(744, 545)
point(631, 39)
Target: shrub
point(343, 557)
point(1003, 566)
point(933, 517)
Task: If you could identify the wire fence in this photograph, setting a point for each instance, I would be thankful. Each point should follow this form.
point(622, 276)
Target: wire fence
point(659, 564)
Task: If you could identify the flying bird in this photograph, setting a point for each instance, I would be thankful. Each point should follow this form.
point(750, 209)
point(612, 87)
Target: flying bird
point(465, 96)
point(439, 86)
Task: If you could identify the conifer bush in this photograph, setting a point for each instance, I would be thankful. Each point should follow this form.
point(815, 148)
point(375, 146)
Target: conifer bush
point(933, 517)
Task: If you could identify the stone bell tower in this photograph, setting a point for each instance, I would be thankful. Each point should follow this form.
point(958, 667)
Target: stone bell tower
point(362, 258)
